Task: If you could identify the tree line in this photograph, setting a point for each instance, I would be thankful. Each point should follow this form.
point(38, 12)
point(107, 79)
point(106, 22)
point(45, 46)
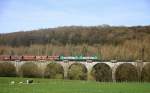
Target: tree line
point(76, 35)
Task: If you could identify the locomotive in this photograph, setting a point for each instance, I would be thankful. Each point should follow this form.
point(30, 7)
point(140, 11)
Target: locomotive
point(47, 58)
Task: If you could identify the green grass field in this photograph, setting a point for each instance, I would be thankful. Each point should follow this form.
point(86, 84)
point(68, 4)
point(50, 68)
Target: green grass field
point(68, 86)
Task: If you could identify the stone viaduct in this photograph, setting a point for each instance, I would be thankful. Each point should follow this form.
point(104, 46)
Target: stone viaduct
point(88, 65)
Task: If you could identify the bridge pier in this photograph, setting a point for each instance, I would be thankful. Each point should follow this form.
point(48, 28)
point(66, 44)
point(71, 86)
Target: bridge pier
point(89, 69)
point(114, 67)
point(65, 66)
point(139, 65)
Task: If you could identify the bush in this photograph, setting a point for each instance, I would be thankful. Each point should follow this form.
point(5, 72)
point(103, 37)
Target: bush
point(126, 72)
point(77, 71)
point(30, 70)
point(102, 72)
point(54, 70)
point(7, 69)
point(145, 75)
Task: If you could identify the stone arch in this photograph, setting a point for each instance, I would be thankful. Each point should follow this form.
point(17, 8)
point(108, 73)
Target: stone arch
point(7, 69)
point(30, 69)
point(102, 72)
point(145, 74)
point(126, 72)
point(77, 71)
point(54, 70)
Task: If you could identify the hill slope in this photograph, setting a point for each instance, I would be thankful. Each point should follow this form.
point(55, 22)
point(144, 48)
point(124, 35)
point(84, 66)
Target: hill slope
point(108, 42)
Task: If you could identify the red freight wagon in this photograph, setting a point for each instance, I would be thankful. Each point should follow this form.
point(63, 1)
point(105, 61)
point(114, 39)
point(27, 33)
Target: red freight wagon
point(28, 58)
point(13, 58)
point(5, 58)
point(41, 57)
point(53, 58)
point(1, 58)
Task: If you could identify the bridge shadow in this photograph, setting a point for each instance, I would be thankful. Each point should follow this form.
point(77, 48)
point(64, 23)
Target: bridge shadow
point(102, 72)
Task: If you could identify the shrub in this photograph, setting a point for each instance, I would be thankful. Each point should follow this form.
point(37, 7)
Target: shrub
point(126, 72)
point(30, 70)
point(145, 75)
point(77, 71)
point(7, 69)
point(54, 70)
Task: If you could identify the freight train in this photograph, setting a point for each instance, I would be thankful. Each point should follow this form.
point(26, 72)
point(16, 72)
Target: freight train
point(47, 58)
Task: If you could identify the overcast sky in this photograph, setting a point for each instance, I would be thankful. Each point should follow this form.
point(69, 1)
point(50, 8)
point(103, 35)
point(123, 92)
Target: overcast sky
point(22, 15)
